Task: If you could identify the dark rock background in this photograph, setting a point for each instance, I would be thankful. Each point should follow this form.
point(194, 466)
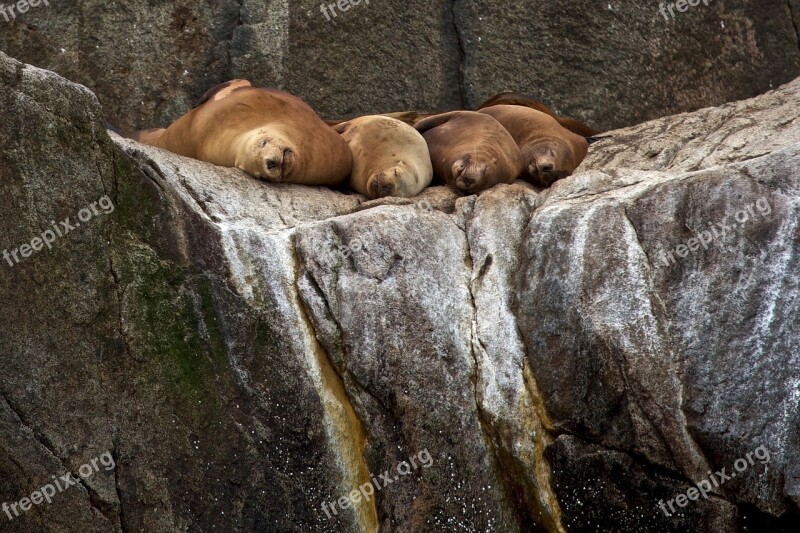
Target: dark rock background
point(610, 63)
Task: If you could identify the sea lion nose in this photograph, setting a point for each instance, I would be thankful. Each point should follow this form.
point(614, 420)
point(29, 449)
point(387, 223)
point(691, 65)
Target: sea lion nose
point(278, 161)
point(547, 168)
point(381, 185)
point(467, 181)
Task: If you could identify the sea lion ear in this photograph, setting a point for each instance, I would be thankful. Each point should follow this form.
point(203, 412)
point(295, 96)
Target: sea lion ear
point(218, 92)
point(437, 120)
point(341, 127)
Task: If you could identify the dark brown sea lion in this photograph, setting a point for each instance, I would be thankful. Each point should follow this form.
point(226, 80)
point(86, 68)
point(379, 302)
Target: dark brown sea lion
point(550, 151)
point(471, 151)
point(510, 98)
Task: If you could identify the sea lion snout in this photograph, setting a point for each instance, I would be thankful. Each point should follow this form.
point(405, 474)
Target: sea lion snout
point(546, 172)
point(469, 174)
point(383, 183)
point(277, 161)
point(546, 168)
point(549, 162)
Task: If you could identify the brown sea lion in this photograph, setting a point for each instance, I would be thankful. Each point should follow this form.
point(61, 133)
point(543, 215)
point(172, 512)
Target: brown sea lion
point(510, 98)
point(267, 133)
point(471, 151)
point(390, 158)
point(550, 151)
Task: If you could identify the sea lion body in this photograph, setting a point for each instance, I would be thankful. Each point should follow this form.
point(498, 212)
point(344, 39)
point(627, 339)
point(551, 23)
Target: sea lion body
point(518, 99)
point(408, 117)
point(267, 133)
point(390, 158)
point(550, 151)
point(471, 151)
point(148, 136)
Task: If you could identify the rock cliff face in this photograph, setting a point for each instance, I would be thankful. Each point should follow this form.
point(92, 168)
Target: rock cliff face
point(611, 63)
point(249, 352)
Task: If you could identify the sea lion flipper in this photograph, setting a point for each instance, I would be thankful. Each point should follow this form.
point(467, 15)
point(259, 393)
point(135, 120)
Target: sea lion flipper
point(150, 136)
point(341, 127)
point(409, 117)
point(511, 98)
point(434, 121)
point(218, 92)
point(576, 127)
point(597, 138)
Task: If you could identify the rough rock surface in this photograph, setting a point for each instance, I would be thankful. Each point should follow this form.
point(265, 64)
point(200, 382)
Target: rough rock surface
point(249, 351)
point(610, 63)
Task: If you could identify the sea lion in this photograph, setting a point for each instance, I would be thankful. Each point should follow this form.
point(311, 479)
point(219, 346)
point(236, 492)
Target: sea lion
point(390, 158)
point(471, 151)
point(550, 151)
point(407, 117)
point(267, 133)
point(510, 98)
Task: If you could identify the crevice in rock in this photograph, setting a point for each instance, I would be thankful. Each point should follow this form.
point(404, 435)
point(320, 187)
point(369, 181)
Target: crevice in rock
point(93, 498)
point(353, 379)
point(636, 236)
point(95, 501)
point(19, 67)
point(691, 446)
point(793, 17)
point(120, 289)
point(462, 55)
point(348, 423)
point(524, 495)
point(145, 163)
point(238, 24)
point(115, 456)
point(41, 439)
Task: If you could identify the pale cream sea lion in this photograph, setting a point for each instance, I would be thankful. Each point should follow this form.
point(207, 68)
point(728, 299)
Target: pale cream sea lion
point(390, 158)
